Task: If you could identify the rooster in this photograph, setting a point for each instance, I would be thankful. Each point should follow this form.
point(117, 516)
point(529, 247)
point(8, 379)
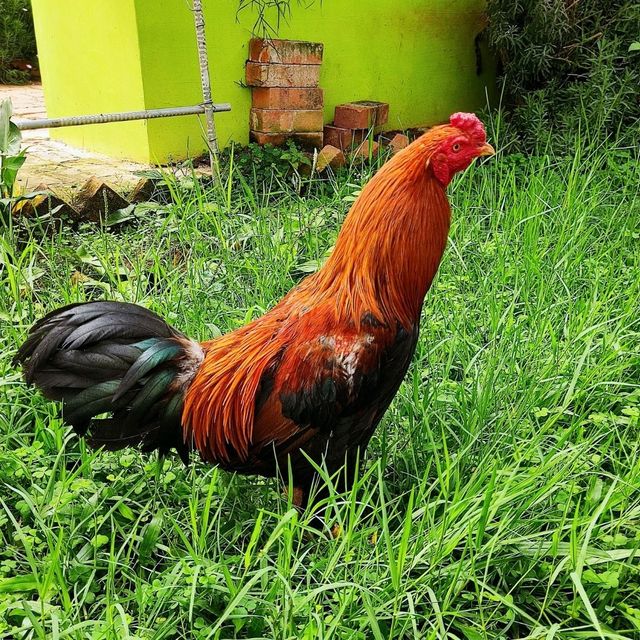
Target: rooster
point(307, 382)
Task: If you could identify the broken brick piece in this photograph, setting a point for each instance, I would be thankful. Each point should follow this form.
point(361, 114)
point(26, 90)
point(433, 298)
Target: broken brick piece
point(330, 156)
point(286, 98)
point(398, 142)
point(307, 139)
point(96, 200)
point(281, 120)
point(44, 204)
point(143, 191)
point(361, 115)
point(285, 51)
point(343, 139)
point(282, 75)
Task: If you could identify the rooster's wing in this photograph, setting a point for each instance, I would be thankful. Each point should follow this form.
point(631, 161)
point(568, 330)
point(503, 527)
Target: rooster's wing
point(325, 395)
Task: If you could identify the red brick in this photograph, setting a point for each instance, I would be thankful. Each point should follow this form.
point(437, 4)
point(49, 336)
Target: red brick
point(330, 156)
point(382, 114)
point(307, 140)
point(282, 75)
point(285, 51)
point(368, 149)
point(361, 115)
point(286, 98)
point(398, 142)
point(283, 120)
point(343, 139)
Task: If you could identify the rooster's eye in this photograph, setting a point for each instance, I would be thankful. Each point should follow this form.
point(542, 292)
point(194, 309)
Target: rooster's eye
point(456, 147)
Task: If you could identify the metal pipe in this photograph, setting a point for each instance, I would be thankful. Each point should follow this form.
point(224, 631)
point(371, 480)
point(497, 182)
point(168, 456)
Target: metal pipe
point(149, 114)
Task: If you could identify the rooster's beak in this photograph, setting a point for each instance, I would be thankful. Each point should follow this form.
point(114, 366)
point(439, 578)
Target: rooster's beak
point(486, 150)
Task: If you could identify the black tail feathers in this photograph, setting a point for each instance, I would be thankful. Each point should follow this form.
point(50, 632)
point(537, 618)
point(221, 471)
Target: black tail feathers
point(120, 371)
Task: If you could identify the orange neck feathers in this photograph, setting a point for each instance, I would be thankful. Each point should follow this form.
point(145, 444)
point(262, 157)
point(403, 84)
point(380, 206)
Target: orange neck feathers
point(391, 243)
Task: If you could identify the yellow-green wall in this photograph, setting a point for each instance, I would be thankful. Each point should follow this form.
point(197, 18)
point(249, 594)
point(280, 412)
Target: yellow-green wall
point(89, 57)
point(417, 55)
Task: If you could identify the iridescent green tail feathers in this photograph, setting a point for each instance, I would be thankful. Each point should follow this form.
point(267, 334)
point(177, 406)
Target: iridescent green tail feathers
point(119, 370)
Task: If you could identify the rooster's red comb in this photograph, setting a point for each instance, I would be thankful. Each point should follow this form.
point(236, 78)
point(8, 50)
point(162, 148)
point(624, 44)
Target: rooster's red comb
point(471, 125)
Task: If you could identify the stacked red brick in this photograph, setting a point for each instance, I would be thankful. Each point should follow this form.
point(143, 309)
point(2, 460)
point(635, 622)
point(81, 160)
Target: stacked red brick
point(286, 101)
point(353, 124)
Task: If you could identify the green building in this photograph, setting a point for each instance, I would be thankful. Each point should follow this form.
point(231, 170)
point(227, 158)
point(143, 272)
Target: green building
point(421, 56)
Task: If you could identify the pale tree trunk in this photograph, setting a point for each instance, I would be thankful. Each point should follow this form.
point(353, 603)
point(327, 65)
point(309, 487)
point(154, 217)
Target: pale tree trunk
point(203, 59)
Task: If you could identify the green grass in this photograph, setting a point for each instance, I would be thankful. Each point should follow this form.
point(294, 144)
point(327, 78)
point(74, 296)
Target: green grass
point(500, 495)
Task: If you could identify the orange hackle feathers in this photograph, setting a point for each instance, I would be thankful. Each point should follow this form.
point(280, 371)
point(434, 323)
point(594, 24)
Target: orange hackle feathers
point(385, 258)
point(219, 406)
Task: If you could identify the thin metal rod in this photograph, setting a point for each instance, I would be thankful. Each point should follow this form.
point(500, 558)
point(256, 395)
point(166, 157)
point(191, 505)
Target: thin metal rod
point(98, 118)
point(203, 59)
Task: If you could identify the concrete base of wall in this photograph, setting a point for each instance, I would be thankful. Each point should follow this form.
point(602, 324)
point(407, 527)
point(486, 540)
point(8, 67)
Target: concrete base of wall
point(61, 167)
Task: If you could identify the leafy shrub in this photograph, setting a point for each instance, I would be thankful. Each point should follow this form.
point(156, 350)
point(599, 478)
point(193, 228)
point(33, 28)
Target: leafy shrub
point(262, 163)
point(568, 66)
point(269, 15)
point(17, 38)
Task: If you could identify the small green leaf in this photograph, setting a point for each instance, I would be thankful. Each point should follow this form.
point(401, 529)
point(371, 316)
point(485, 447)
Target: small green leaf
point(5, 117)
point(10, 167)
point(632, 614)
point(150, 538)
point(471, 634)
point(634, 46)
point(83, 253)
point(126, 512)
point(605, 580)
point(120, 215)
point(310, 266)
point(18, 584)
point(14, 140)
point(99, 540)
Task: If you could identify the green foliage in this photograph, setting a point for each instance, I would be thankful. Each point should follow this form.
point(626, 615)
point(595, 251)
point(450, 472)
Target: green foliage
point(261, 165)
point(17, 38)
point(568, 66)
point(11, 159)
point(499, 498)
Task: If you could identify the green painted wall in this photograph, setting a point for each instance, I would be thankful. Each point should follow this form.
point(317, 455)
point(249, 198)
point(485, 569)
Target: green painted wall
point(89, 56)
point(418, 55)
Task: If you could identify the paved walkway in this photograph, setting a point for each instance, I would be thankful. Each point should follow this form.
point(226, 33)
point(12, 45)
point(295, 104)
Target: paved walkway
point(54, 163)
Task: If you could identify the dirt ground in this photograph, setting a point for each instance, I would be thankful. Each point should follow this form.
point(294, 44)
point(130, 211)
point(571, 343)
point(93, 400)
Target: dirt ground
point(59, 166)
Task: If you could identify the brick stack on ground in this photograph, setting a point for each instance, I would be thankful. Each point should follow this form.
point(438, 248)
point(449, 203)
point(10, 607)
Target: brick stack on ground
point(352, 132)
point(354, 124)
point(286, 100)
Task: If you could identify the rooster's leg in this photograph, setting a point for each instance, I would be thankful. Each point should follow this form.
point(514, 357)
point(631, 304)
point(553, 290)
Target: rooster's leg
point(298, 498)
